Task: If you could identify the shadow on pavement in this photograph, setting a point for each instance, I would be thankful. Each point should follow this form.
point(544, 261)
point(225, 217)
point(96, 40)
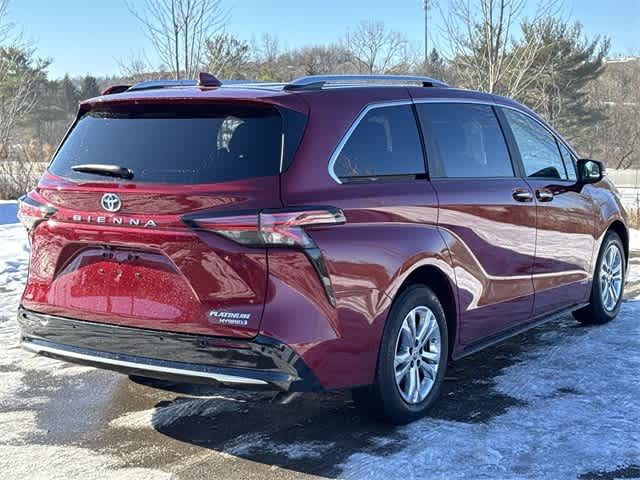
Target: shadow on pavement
point(318, 432)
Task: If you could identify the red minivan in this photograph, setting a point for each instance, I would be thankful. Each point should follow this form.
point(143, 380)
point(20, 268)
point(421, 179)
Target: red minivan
point(335, 232)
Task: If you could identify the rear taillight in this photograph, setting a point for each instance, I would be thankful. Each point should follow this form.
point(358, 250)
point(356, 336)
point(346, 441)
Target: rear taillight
point(31, 211)
point(276, 228)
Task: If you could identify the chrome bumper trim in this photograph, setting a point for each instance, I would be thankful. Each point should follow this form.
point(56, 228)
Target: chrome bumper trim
point(39, 349)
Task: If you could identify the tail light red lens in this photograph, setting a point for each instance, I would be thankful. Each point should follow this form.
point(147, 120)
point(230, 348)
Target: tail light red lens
point(31, 211)
point(287, 228)
point(277, 228)
point(241, 229)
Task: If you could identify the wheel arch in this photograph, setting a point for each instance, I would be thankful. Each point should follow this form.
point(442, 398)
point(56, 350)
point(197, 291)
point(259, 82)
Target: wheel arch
point(434, 278)
point(619, 227)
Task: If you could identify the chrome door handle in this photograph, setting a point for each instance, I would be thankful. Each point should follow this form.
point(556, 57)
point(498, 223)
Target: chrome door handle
point(522, 195)
point(544, 195)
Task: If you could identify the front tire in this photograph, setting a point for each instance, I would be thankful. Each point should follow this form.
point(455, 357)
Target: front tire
point(412, 359)
point(608, 283)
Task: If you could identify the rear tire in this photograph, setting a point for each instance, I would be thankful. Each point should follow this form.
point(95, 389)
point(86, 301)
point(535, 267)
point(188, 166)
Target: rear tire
point(412, 359)
point(608, 283)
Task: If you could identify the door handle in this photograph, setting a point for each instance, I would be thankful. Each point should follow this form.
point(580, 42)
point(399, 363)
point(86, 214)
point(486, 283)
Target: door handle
point(522, 195)
point(544, 195)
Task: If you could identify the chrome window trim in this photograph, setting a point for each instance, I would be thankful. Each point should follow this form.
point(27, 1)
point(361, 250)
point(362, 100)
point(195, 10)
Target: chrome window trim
point(555, 134)
point(476, 101)
point(418, 101)
point(354, 125)
point(548, 128)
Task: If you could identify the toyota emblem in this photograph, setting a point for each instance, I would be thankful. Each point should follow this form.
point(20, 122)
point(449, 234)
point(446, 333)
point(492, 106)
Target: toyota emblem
point(111, 202)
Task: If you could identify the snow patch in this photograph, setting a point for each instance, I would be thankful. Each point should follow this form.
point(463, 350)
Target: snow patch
point(165, 416)
point(298, 451)
point(246, 444)
point(634, 239)
point(17, 426)
point(14, 258)
point(8, 212)
point(48, 462)
point(581, 414)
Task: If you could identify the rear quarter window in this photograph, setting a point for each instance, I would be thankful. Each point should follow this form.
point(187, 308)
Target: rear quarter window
point(179, 145)
point(385, 143)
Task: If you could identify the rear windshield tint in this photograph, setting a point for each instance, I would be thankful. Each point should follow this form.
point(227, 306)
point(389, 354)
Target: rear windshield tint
point(186, 144)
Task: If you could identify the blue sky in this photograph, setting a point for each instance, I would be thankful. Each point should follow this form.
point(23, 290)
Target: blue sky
point(89, 36)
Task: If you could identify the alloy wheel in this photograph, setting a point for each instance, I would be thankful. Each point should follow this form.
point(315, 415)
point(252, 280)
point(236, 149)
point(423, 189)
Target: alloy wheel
point(611, 277)
point(417, 354)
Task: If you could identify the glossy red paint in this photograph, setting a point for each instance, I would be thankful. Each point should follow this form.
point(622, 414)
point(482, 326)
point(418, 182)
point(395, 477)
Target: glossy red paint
point(367, 266)
point(491, 238)
point(505, 262)
point(564, 245)
point(168, 277)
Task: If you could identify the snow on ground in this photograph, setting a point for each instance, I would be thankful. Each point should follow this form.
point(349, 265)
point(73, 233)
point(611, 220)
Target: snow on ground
point(166, 416)
point(577, 409)
point(14, 252)
point(581, 413)
point(8, 210)
point(634, 239)
point(20, 456)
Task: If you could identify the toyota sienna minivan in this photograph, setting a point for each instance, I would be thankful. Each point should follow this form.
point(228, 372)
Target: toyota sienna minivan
point(334, 232)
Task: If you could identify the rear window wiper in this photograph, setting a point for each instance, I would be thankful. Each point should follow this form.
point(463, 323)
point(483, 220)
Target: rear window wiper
point(104, 169)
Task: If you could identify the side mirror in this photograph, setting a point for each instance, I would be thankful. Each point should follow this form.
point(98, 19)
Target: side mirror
point(590, 171)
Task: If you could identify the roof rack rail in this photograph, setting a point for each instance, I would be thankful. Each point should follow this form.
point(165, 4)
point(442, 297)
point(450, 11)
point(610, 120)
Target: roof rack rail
point(157, 84)
point(204, 80)
point(317, 82)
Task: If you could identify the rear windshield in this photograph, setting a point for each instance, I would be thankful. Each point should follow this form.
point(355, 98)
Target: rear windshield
point(185, 144)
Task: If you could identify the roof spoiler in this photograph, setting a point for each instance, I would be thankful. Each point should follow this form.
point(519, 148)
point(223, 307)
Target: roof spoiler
point(113, 89)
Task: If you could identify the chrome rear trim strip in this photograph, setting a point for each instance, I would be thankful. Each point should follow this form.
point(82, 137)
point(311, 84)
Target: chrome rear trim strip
point(39, 349)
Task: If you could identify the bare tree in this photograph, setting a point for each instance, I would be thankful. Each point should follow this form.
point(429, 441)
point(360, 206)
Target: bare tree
point(5, 26)
point(482, 48)
point(269, 62)
point(376, 49)
point(226, 56)
point(178, 30)
point(321, 59)
point(616, 139)
point(269, 48)
point(20, 73)
point(138, 68)
point(21, 171)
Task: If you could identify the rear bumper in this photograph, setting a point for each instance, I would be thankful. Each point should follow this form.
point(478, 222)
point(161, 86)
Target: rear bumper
point(261, 361)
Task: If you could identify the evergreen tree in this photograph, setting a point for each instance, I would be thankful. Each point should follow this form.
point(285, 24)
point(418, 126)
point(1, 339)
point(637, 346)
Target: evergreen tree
point(436, 67)
point(49, 117)
point(21, 79)
point(70, 96)
point(89, 88)
point(568, 63)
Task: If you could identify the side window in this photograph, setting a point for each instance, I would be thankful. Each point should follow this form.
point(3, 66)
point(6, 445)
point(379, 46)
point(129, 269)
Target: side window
point(569, 162)
point(384, 143)
point(538, 148)
point(467, 140)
